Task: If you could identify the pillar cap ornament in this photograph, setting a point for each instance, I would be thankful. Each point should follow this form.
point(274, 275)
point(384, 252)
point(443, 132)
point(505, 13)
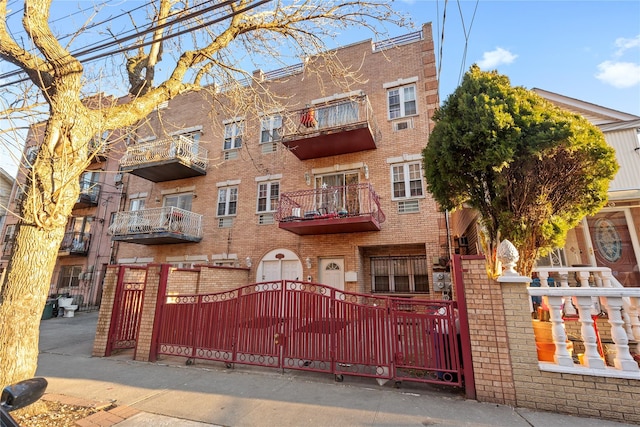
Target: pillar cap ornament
point(508, 255)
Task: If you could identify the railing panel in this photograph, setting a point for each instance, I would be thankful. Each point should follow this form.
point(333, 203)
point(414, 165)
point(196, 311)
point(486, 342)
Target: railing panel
point(166, 219)
point(330, 203)
point(177, 147)
point(588, 295)
point(328, 116)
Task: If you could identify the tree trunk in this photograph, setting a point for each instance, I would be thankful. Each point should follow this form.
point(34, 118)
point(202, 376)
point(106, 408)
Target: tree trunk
point(51, 192)
point(23, 299)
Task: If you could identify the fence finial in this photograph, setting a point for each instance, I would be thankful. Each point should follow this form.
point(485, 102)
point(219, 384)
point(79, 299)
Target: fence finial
point(508, 255)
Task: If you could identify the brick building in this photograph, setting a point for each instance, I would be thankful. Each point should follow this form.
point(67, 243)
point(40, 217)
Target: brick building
point(318, 180)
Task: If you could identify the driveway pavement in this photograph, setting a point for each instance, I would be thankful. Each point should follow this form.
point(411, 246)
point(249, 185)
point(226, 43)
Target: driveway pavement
point(169, 393)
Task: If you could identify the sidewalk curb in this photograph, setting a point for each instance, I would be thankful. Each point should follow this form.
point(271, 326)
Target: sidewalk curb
point(108, 414)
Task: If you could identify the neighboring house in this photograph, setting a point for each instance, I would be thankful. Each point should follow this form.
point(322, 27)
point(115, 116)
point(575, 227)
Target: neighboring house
point(6, 185)
point(325, 186)
point(611, 237)
point(86, 248)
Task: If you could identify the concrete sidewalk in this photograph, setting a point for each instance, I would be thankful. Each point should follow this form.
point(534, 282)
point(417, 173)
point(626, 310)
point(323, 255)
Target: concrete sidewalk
point(168, 393)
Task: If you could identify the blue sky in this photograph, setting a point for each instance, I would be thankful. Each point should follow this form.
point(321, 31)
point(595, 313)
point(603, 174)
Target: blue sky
point(584, 49)
point(588, 50)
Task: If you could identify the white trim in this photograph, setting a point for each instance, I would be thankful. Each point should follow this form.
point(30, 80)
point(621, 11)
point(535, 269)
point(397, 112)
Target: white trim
point(405, 158)
point(228, 183)
point(177, 190)
point(269, 177)
point(233, 120)
point(186, 130)
point(338, 96)
point(400, 82)
point(146, 139)
point(337, 168)
point(138, 195)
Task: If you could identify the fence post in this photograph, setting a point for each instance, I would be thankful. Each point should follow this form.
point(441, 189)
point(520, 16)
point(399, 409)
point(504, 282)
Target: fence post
point(107, 307)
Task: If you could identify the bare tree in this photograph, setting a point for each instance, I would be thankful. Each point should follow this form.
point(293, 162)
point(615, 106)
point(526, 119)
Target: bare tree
point(198, 41)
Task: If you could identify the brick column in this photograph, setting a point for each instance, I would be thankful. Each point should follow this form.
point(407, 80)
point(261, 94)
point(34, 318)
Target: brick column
point(106, 308)
point(148, 317)
point(487, 320)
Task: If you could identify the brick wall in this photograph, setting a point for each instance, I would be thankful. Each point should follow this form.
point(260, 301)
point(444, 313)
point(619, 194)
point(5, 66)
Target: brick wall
point(506, 364)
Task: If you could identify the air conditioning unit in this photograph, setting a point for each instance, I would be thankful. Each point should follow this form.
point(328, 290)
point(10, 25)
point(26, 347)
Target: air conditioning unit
point(402, 125)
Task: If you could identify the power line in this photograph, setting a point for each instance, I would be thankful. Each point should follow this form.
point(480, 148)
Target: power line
point(150, 29)
point(466, 38)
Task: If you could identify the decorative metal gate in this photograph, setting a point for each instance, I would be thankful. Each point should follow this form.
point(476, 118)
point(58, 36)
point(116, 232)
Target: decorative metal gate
point(127, 309)
point(306, 326)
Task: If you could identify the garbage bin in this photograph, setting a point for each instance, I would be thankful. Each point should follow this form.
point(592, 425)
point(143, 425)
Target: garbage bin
point(47, 313)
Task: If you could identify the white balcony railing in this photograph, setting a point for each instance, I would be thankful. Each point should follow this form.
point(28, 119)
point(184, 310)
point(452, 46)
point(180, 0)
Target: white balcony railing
point(157, 220)
point(176, 147)
point(584, 295)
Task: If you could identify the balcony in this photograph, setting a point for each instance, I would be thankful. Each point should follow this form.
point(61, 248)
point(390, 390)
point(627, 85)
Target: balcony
point(88, 196)
point(166, 160)
point(7, 249)
point(346, 209)
point(75, 243)
point(157, 226)
point(329, 129)
point(98, 150)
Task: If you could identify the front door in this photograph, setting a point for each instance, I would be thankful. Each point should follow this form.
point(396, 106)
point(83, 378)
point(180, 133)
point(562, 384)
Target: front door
point(614, 246)
point(279, 264)
point(332, 272)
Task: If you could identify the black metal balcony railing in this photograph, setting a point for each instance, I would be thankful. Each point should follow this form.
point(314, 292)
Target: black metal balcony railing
point(342, 209)
point(332, 128)
point(157, 226)
point(89, 195)
point(7, 249)
point(75, 243)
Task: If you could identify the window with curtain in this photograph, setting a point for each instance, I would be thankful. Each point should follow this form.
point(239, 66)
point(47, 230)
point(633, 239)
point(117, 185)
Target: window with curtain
point(268, 196)
point(402, 101)
point(407, 180)
point(227, 201)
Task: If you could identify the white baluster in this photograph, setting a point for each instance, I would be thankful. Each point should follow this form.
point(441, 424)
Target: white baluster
point(562, 356)
point(591, 355)
point(634, 316)
point(569, 309)
point(623, 359)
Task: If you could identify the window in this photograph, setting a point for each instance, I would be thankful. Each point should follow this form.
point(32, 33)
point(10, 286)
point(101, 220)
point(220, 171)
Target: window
point(30, 156)
point(69, 276)
point(233, 135)
point(268, 195)
point(400, 274)
point(227, 201)
point(182, 201)
point(402, 101)
point(407, 180)
point(338, 191)
point(136, 204)
point(88, 182)
point(270, 129)
point(193, 135)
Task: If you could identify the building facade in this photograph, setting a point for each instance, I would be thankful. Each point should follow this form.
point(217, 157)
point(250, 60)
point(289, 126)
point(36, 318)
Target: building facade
point(86, 249)
point(304, 173)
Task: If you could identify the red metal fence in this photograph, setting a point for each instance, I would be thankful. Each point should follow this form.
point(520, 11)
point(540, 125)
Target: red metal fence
point(306, 326)
point(127, 309)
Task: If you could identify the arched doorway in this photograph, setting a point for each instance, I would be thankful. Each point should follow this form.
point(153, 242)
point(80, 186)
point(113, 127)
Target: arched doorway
point(279, 264)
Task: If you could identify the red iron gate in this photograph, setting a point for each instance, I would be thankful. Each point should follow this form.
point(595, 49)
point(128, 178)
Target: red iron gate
point(305, 326)
point(127, 308)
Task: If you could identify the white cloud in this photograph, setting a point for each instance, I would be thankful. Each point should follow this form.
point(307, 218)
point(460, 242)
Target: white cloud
point(624, 44)
point(496, 57)
point(619, 74)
